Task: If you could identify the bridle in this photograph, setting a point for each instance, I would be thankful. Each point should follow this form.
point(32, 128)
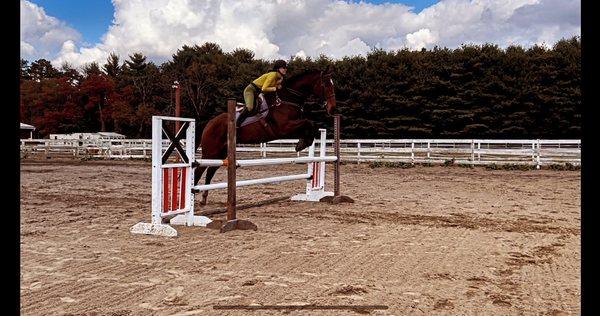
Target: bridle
point(305, 100)
point(323, 79)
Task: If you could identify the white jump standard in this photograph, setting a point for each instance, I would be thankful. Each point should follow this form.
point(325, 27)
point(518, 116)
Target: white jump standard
point(315, 187)
point(172, 198)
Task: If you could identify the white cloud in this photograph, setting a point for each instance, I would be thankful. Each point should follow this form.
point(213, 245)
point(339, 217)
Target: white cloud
point(300, 54)
point(284, 28)
point(352, 48)
point(77, 57)
point(42, 36)
point(27, 49)
point(420, 39)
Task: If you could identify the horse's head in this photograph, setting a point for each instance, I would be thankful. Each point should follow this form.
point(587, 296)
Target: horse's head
point(327, 93)
point(312, 86)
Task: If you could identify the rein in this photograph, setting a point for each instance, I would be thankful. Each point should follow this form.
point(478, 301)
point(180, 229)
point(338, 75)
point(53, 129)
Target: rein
point(300, 105)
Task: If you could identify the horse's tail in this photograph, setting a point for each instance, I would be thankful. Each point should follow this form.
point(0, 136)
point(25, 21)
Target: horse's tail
point(211, 136)
point(200, 126)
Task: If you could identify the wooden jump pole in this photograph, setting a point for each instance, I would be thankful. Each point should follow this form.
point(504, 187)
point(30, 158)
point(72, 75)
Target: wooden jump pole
point(231, 161)
point(336, 148)
point(337, 196)
point(232, 222)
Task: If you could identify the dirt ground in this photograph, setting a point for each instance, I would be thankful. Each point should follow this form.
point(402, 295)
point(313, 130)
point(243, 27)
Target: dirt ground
point(419, 241)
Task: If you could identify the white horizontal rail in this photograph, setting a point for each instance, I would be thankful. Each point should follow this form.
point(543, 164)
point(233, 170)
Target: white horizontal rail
point(175, 165)
point(538, 151)
point(242, 183)
point(264, 162)
point(174, 118)
point(147, 143)
point(282, 161)
point(210, 162)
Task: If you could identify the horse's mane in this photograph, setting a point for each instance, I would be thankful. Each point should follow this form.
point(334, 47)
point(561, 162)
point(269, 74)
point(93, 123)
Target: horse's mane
point(292, 79)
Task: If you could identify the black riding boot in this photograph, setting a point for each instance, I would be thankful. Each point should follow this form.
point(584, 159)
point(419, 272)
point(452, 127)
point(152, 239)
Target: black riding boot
point(242, 117)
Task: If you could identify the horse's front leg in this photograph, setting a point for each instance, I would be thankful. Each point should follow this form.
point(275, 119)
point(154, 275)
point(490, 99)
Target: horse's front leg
point(303, 129)
point(308, 136)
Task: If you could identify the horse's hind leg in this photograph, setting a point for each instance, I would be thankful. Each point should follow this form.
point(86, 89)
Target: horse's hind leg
point(198, 174)
point(209, 175)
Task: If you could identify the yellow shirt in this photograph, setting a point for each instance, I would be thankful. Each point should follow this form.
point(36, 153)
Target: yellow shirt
point(269, 81)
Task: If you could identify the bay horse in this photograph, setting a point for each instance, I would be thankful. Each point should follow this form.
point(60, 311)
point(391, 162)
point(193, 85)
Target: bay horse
point(285, 119)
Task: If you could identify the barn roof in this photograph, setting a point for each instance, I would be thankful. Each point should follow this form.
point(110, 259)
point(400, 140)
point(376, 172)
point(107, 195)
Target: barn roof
point(110, 134)
point(27, 126)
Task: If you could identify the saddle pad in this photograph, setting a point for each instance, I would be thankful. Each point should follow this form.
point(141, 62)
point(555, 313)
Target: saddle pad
point(262, 112)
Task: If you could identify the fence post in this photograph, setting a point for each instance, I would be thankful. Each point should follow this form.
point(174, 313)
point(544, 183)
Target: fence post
point(428, 151)
point(472, 152)
point(539, 147)
point(412, 152)
point(478, 151)
point(358, 150)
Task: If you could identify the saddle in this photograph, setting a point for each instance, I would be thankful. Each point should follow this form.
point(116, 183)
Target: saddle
point(258, 114)
point(261, 109)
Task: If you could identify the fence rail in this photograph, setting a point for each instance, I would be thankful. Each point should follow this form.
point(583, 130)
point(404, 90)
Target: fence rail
point(536, 152)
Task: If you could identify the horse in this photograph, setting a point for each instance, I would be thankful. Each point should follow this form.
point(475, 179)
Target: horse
point(285, 119)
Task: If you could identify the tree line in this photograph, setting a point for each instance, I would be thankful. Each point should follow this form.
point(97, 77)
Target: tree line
point(475, 91)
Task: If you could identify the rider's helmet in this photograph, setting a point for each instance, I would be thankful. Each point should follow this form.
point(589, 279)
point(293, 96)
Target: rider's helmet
point(279, 64)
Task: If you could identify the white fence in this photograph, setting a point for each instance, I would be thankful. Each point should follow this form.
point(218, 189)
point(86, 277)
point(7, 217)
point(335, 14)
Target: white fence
point(109, 149)
point(461, 151)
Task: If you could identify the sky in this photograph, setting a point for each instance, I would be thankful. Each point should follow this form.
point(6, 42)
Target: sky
point(91, 17)
point(80, 32)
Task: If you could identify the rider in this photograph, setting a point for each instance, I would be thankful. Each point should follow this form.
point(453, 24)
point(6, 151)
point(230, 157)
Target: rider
point(267, 83)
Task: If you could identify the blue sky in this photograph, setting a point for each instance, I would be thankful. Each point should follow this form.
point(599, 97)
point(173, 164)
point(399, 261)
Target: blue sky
point(93, 17)
point(418, 5)
point(90, 17)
